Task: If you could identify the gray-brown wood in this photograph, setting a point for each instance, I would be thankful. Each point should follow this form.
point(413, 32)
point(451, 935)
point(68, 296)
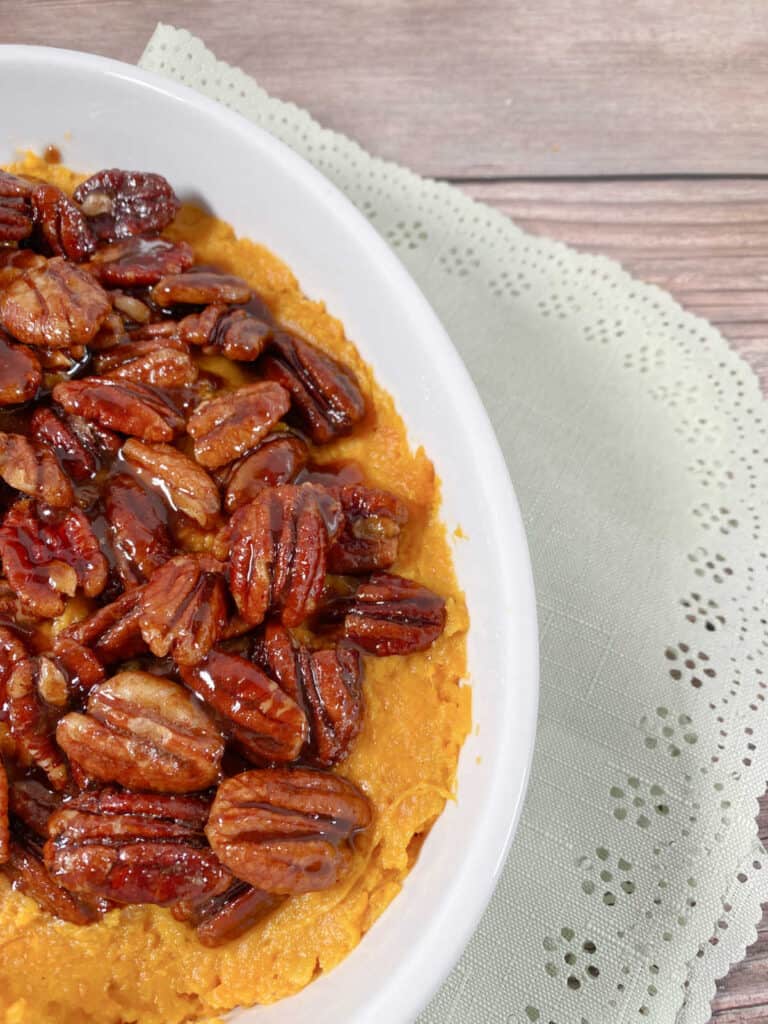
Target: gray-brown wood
point(479, 87)
point(487, 92)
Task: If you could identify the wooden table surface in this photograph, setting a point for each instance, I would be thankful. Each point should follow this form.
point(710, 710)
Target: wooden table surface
point(637, 129)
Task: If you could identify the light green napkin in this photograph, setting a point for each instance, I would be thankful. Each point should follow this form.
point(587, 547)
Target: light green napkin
point(636, 440)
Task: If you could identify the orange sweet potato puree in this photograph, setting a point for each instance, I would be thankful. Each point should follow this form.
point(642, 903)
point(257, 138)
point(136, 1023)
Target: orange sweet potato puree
point(139, 964)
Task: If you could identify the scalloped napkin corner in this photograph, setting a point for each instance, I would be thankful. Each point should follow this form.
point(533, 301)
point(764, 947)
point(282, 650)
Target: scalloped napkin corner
point(633, 436)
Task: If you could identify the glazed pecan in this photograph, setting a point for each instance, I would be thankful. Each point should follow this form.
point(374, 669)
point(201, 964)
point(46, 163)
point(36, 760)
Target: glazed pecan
point(119, 204)
point(20, 372)
point(30, 805)
point(325, 396)
point(184, 608)
point(81, 447)
point(185, 485)
point(278, 459)
point(47, 554)
point(27, 872)
point(167, 365)
point(139, 528)
point(38, 695)
point(369, 539)
point(266, 722)
point(143, 732)
point(236, 333)
point(54, 306)
point(82, 668)
point(12, 651)
point(392, 615)
point(62, 227)
point(222, 918)
point(33, 471)
point(134, 848)
point(122, 405)
point(287, 831)
point(326, 683)
point(231, 424)
point(131, 309)
point(15, 262)
point(200, 288)
point(112, 332)
point(5, 835)
point(279, 548)
point(62, 362)
point(113, 631)
point(139, 262)
point(162, 332)
point(15, 209)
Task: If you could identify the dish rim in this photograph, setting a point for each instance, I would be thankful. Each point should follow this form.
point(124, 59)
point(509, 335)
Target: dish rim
point(402, 994)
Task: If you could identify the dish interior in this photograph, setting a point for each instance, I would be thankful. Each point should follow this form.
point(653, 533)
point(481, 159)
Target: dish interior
point(106, 113)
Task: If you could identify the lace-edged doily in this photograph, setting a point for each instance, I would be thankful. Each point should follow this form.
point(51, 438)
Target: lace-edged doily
point(636, 440)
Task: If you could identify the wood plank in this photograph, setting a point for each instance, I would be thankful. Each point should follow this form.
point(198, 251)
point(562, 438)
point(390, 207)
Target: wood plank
point(704, 241)
point(494, 87)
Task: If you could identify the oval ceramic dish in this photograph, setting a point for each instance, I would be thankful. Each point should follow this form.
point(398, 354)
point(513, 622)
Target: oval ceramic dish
point(103, 113)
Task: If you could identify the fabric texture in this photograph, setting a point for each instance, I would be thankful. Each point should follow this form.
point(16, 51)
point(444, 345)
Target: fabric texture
point(636, 441)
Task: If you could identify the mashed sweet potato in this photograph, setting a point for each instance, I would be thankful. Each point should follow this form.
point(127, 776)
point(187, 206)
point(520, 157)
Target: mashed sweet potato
point(139, 964)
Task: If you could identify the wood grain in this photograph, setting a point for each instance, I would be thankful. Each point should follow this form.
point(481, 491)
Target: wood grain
point(491, 87)
point(488, 92)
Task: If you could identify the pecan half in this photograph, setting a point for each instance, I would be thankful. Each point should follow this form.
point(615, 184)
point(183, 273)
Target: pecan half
point(287, 831)
point(200, 288)
point(184, 608)
point(143, 732)
point(48, 556)
point(185, 485)
point(134, 848)
point(33, 471)
point(54, 306)
point(20, 372)
point(326, 683)
point(63, 227)
point(5, 835)
point(63, 361)
point(148, 362)
point(221, 919)
point(369, 540)
point(279, 548)
point(229, 425)
point(27, 872)
point(266, 722)
point(122, 405)
point(81, 447)
point(139, 528)
point(80, 665)
point(236, 333)
point(325, 395)
point(278, 459)
point(38, 695)
point(119, 204)
point(15, 210)
point(15, 262)
point(113, 632)
point(12, 651)
point(139, 262)
point(393, 615)
point(31, 806)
